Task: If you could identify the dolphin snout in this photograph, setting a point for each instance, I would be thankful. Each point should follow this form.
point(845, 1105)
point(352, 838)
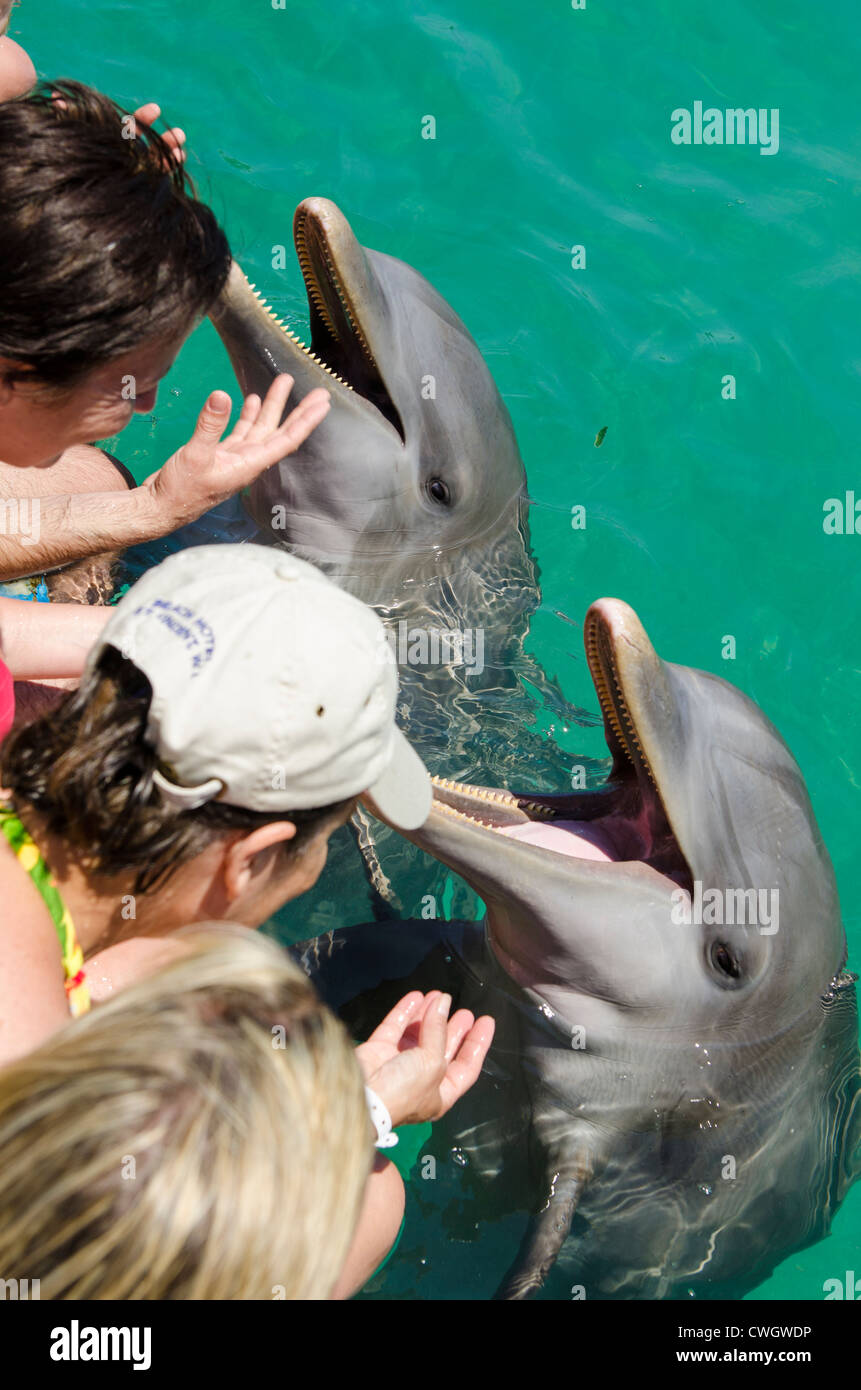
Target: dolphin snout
point(619, 622)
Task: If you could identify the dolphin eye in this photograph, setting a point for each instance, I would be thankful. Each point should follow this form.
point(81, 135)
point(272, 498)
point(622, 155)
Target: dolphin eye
point(438, 491)
point(724, 961)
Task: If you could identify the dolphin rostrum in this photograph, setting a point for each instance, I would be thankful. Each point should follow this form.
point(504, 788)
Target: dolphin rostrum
point(668, 955)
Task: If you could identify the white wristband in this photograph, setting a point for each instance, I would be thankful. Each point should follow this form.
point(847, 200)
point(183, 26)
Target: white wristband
point(381, 1120)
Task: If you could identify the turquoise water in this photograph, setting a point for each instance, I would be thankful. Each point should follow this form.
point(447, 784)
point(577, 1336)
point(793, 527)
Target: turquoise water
point(553, 130)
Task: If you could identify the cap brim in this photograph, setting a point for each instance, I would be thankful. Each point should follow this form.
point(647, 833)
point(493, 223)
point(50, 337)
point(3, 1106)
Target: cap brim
point(402, 795)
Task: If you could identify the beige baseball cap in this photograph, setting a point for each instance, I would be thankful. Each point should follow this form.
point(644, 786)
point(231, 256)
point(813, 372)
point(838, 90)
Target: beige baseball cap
point(273, 689)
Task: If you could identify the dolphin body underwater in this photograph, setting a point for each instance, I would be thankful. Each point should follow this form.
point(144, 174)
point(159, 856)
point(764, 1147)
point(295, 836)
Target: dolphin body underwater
point(687, 1091)
point(410, 494)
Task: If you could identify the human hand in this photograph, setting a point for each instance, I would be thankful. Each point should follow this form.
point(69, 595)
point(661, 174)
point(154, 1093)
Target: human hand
point(174, 138)
point(419, 1061)
point(208, 469)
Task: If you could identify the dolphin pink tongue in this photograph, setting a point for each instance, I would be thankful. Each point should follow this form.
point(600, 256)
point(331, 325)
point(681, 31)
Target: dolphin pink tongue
point(577, 838)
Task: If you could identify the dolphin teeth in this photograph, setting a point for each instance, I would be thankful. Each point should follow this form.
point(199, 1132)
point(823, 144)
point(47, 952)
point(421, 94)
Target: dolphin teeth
point(615, 711)
point(496, 798)
point(462, 815)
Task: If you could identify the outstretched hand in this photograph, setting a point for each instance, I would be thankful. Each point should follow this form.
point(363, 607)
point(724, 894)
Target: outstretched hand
point(419, 1061)
point(208, 469)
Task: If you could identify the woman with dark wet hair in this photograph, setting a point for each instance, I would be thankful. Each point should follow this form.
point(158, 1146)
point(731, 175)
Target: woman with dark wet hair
point(107, 263)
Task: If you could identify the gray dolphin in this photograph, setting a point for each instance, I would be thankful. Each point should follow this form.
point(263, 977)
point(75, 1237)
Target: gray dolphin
point(411, 494)
point(417, 457)
point(667, 957)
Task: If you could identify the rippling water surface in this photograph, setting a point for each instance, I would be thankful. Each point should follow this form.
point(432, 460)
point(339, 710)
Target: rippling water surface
point(553, 130)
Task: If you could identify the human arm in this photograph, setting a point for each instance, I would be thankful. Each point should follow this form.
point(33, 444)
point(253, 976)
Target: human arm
point(33, 1001)
point(48, 641)
point(377, 1229)
point(203, 473)
point(419, 1062)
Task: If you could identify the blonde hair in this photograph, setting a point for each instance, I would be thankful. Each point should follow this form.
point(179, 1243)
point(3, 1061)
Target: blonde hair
point(204, 1135)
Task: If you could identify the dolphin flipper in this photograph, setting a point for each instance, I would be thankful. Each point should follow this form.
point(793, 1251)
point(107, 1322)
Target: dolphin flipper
point(379, 881)
point(571, 1155)
point(545, 1236)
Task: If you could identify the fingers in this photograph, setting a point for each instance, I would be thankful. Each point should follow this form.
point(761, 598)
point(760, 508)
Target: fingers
point(274, 403)
point(295, 430)
point(398, 1020)
point(269, 410)
point(458, 1027)
point(247, 416)
point(464, 1070)
point(433, 1028)
point(456, 1030)
point(213, 419)
point(175, 140)
point(306, 417)
point(148, 114)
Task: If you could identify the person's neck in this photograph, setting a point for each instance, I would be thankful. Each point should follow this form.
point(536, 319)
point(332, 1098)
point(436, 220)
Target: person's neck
point(106, 910)
point(16, 464)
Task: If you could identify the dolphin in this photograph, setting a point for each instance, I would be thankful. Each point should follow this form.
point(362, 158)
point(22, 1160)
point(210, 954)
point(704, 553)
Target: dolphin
point(665, 953)
point(411, 494)
point(417, 458)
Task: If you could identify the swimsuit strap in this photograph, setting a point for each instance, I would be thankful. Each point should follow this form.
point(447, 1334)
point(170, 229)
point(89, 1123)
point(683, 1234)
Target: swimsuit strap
point(32, 862)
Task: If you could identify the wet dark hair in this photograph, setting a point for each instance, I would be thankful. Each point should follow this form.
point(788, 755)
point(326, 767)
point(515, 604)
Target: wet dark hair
point(103, 244)
point(86, 770)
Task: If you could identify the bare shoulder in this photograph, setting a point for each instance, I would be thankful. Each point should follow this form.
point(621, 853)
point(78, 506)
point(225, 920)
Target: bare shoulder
point(17, 74)
point(83, 468)
point(129, 961)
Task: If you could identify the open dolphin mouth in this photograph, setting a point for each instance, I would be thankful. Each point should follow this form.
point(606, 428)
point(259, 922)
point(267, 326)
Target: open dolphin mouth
point(339, 336)
point(342, 338)
point(625, 821)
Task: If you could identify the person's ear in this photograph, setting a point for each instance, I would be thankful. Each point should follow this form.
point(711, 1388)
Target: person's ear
point(6, 385)
point(10, 375)
point(239, 860)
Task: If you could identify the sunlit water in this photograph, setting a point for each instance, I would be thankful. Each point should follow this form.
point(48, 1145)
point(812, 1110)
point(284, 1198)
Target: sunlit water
point(553, 130)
